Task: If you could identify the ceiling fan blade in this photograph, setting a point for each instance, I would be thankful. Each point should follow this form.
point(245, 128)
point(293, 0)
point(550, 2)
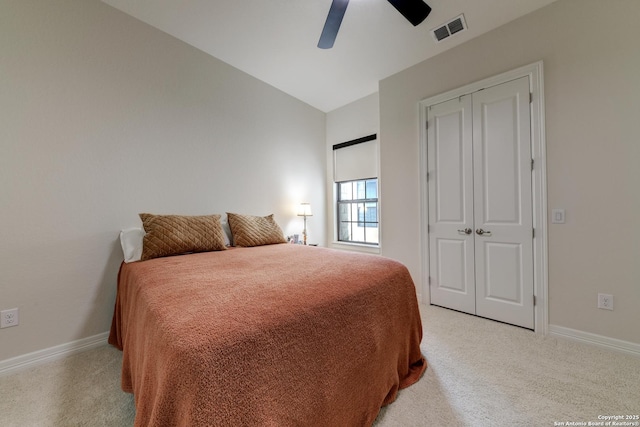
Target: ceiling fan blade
point(414, 10)
point(332, 24)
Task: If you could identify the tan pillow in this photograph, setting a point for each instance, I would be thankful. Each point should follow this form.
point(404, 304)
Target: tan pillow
point(248, 230)
point(177, 234)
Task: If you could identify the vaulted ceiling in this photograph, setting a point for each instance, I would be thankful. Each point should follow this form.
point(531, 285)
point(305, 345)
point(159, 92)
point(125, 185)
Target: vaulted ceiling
point(276, 40)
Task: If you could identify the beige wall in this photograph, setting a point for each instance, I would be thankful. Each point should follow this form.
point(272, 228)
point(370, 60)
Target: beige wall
point(591, 74)
point(103, 117)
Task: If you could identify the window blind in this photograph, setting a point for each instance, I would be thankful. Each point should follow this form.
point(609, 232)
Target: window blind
point(356, 159)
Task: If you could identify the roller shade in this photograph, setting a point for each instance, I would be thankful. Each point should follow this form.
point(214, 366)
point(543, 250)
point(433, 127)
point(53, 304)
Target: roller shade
point(357, 159)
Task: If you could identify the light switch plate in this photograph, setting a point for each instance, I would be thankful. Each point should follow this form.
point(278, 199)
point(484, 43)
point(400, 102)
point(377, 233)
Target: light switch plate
point(557, 216)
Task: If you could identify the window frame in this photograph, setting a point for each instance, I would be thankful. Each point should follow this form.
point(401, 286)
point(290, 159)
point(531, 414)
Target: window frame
point(357, 201)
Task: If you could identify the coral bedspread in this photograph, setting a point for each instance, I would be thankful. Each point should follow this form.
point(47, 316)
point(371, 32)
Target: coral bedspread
point(279, 335)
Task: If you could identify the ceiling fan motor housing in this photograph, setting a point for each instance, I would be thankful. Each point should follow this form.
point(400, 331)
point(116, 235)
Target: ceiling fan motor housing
point(415, 11)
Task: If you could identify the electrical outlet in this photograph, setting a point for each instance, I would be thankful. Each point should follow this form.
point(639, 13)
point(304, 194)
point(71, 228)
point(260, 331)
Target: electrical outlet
point(9, 318)
point(605, 301)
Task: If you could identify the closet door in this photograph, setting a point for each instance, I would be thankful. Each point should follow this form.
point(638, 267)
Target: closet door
point(503, 223)
point(451, 238)
point(480, 204)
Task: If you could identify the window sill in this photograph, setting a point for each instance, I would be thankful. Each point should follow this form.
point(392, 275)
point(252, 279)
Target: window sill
point(357, 247)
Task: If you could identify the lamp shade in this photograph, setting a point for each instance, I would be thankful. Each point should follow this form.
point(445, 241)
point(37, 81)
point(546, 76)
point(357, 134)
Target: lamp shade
point(304, 209)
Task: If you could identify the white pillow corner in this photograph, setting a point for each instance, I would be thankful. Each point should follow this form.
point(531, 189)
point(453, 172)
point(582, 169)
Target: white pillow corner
point(131, 242)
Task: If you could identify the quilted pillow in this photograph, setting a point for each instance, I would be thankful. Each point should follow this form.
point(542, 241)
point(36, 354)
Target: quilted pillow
point(177, 234)
point(248, 230)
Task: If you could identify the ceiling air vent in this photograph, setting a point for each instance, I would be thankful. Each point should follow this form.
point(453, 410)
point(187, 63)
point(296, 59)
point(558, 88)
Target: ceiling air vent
point(450, 28)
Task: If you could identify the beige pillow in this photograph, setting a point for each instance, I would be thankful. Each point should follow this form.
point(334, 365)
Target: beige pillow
point(248, 230)
point(177, 234)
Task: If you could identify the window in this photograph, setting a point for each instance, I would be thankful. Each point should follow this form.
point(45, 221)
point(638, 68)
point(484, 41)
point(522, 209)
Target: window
point(358, 211)
point(355, 171)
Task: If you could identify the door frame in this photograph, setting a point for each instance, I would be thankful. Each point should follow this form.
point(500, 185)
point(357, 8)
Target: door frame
point(539, 183)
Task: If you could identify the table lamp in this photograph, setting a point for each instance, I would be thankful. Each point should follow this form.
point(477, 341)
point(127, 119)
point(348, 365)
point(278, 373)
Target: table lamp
point(304, 210)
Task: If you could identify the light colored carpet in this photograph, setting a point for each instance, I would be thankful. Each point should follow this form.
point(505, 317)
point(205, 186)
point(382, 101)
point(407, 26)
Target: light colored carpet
point(481, 373)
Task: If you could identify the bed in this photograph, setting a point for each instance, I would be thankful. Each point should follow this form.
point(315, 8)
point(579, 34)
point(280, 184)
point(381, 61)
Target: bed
point(273, 335)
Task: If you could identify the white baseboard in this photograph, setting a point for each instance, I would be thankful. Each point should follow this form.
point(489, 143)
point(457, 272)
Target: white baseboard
point(614, 344)
point(50, 354)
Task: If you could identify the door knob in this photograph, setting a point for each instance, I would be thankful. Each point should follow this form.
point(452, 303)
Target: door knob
point(482, 232)
point(465, 231)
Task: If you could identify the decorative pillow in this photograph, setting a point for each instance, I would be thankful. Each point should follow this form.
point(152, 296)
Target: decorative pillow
point(177, 234)
point(131, 242)
point(248, 230)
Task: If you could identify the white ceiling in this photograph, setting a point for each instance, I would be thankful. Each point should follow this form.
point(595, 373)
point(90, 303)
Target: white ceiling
point(275, 40)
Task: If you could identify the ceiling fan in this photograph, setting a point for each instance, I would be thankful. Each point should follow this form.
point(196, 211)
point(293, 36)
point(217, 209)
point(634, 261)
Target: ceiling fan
point(414, 10)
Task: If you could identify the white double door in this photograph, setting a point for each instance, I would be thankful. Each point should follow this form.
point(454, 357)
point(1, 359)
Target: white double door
point(480, 203)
